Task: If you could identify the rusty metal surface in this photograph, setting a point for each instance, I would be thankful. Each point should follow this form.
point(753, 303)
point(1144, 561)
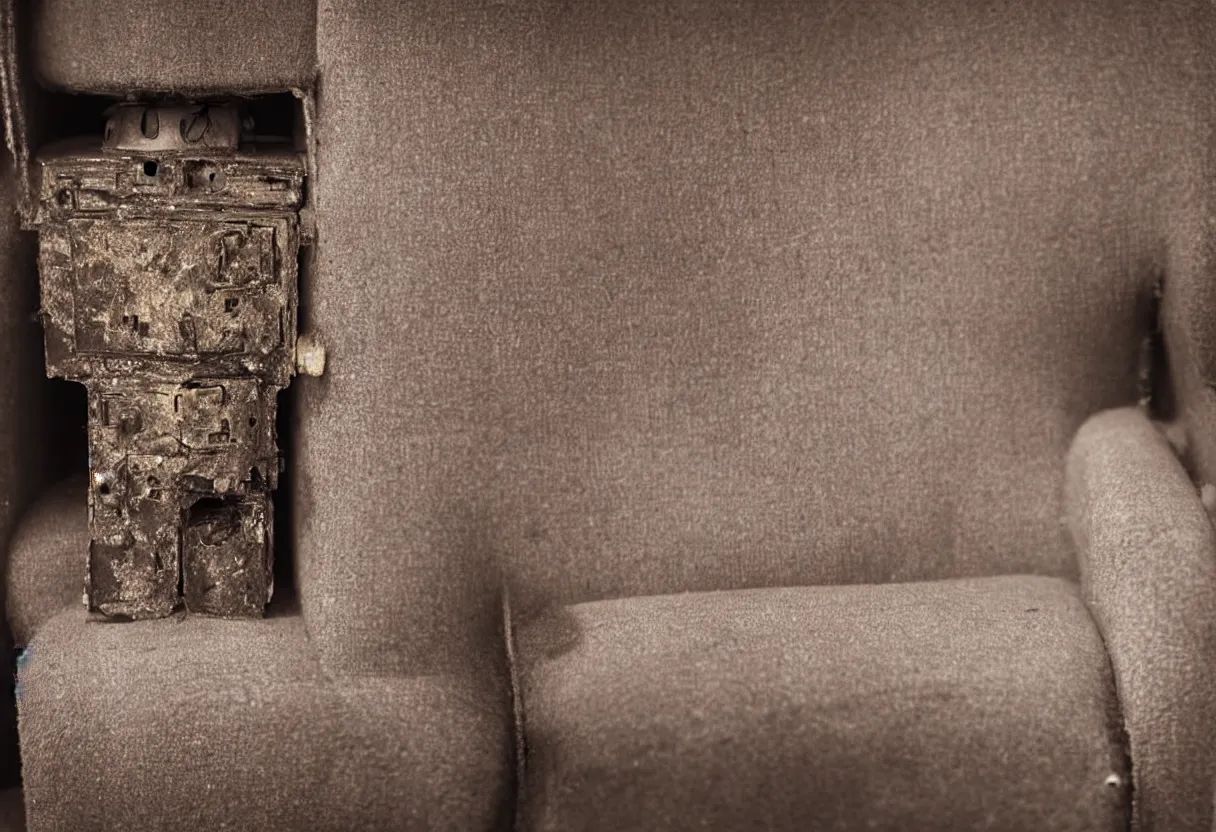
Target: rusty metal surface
point(77, 178)
point(169, 290)
point(195, 128)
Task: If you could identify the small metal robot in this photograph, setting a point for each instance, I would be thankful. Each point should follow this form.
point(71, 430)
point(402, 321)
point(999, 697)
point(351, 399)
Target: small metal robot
point(168, 256)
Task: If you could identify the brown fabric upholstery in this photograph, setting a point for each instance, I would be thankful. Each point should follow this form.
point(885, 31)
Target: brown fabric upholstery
point(210, 724)
point(1148, 570)
point(45, 570)
point(630, 299)
point(1189, 263)
point(690, 296)
point(974, 704)
point(120, 47)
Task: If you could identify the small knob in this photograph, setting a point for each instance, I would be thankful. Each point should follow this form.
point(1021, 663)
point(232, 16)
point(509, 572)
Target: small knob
point(310, 356)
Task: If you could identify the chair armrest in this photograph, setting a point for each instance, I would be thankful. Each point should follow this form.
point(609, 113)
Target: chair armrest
point(47, 558)
point(1147, 556)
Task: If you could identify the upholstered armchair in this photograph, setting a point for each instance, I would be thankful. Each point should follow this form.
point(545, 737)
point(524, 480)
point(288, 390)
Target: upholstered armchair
point(777, 414)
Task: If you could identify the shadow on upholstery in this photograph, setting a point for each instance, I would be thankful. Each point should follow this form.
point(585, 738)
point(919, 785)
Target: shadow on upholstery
point(26, 464)
point(12, 811)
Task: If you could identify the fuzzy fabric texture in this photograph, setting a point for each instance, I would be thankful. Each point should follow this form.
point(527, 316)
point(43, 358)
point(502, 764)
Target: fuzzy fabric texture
point(687, 296)
point(212, 724)
point(969, 704)
point(202, 47)
point(1147, 553)
point(631, 299)
point(46, 573)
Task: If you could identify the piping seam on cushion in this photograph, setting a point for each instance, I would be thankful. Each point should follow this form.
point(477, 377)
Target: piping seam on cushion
point(1117, 725)
point(517, 708)
point(15, 134)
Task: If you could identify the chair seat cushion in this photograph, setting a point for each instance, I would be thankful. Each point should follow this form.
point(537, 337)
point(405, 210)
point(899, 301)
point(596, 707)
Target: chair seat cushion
point(968, 704)
point(211, 724)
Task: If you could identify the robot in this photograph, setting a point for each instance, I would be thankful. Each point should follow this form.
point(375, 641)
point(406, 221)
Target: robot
point(168, 256)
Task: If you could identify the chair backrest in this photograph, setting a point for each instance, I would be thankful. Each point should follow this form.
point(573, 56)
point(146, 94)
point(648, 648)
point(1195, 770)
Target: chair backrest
point(654, 297)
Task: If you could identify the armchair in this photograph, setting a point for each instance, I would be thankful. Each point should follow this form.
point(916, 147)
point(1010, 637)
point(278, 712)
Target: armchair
point(738, 415)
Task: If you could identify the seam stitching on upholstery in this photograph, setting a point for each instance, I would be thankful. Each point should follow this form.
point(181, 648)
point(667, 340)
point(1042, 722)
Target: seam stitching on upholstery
point(15, 135)
point(517, 710)
point(1118, 724)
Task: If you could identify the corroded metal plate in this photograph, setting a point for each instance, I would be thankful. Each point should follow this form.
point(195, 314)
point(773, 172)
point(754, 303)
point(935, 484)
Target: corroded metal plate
point(169, 290)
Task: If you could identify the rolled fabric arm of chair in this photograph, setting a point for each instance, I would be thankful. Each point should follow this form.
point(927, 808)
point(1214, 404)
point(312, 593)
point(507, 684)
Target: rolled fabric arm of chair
point(47, 558)
point(1147, 556)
